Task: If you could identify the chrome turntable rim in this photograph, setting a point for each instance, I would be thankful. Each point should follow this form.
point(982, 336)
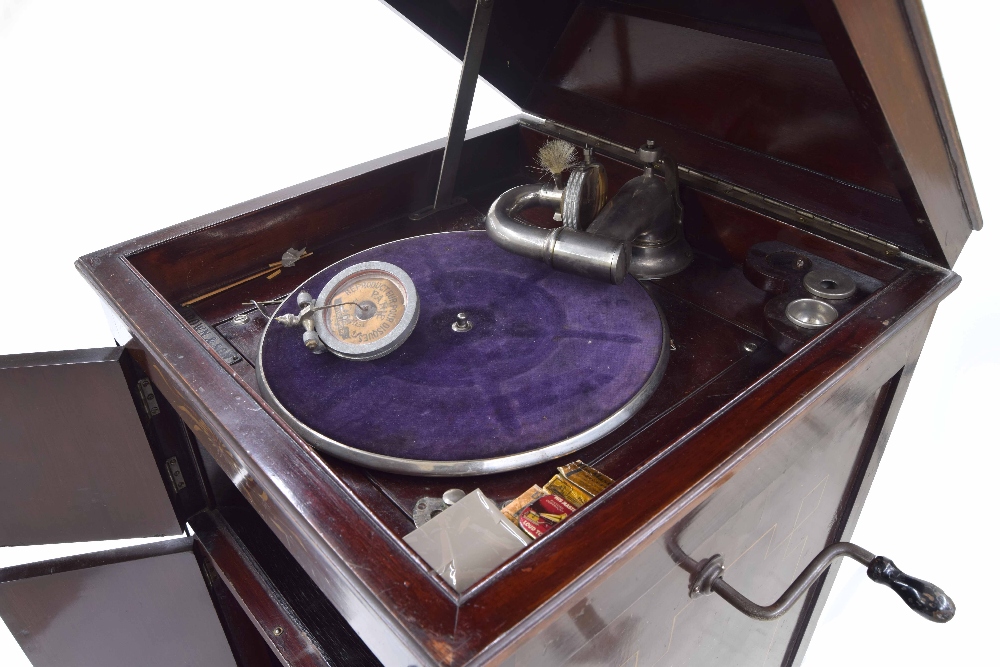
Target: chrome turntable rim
point(475, 466)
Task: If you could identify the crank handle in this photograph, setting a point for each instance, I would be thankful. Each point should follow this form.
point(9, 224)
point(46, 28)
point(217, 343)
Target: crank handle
point(922, 597)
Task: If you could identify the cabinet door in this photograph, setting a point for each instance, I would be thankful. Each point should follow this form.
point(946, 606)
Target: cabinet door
point(92, 452)
point(144, 605)
point(77, 463)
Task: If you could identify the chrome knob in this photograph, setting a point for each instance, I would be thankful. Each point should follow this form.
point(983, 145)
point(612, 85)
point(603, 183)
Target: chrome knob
point(461, 323)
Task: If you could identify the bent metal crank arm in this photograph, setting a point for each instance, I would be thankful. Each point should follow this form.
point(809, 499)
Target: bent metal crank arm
point(922, 597)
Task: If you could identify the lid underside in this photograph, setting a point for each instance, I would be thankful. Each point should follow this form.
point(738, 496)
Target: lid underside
point(742, 89)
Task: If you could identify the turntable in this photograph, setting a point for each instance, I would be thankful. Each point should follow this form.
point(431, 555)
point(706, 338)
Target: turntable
point(716, 304)
point(510, 363)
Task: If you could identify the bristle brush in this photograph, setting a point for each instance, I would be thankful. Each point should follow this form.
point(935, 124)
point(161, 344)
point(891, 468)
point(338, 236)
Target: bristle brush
point(556, 156)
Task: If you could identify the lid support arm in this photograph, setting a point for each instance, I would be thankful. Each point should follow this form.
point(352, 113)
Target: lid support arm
point(445, 196)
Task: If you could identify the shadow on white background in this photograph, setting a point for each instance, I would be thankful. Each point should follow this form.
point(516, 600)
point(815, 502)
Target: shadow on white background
point(120, 118)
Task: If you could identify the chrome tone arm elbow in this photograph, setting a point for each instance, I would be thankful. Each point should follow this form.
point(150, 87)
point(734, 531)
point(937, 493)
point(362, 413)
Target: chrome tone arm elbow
point(564, 249)
point(639, 231)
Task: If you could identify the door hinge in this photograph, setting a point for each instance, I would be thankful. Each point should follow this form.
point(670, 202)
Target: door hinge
point(175, 474)
point(787, 212)
point(148, 398)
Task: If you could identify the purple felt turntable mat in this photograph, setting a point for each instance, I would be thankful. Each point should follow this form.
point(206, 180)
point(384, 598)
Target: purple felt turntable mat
point(549, 356)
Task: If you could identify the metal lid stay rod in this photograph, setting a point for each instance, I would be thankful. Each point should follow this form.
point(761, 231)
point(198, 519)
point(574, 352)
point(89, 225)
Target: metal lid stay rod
point(445, 196)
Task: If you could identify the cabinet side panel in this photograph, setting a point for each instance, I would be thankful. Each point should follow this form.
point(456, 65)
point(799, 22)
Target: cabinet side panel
point(152, 612)
point(768, 521)
point(78, 465)
point(853, 505)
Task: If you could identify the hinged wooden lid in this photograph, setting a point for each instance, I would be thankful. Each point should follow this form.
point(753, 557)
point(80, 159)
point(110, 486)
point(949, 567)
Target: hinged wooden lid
point(837, 107)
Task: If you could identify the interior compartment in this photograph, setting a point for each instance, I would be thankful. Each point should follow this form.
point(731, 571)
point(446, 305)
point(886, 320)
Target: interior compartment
point(714, 313)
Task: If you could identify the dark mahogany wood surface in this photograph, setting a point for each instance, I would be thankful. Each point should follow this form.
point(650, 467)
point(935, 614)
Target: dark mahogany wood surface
point(882, 50)
point(880, 215)
point(656, 65)
point(249, 647)
point(835, 106)
point(326, 643)
point(347, 211)
point(95, 559)
point(765, 526)
point(78, 464)
point(149, 608)
point(344, 530)
point(250, 588)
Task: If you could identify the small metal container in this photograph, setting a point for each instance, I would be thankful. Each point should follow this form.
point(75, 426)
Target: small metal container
point(829, 284)
point(811, 313)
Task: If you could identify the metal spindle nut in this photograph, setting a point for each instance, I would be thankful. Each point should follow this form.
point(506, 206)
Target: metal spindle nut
point(462, 323)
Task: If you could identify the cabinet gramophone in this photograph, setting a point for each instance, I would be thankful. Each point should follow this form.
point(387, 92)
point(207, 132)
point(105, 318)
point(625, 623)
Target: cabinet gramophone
point(715, 299)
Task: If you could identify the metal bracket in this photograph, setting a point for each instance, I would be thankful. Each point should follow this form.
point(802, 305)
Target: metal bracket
point(445, 196)
point(429, 507)
point(175, 474)
point(148, 397)
point(208, 334)
point(726, 189)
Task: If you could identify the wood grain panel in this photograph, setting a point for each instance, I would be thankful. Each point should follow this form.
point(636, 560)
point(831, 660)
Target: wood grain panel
point(920, 31)
point(877, 55)
point(769, 518)
point(768, 522)
point(77, 464)
point(272, 613)
point(772, 101)
point(154, 612)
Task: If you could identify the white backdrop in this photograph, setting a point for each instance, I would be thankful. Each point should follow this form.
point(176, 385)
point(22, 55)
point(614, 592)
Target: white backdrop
point(120, 118)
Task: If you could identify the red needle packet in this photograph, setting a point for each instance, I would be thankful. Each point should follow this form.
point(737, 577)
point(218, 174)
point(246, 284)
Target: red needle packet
point(543, 515)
